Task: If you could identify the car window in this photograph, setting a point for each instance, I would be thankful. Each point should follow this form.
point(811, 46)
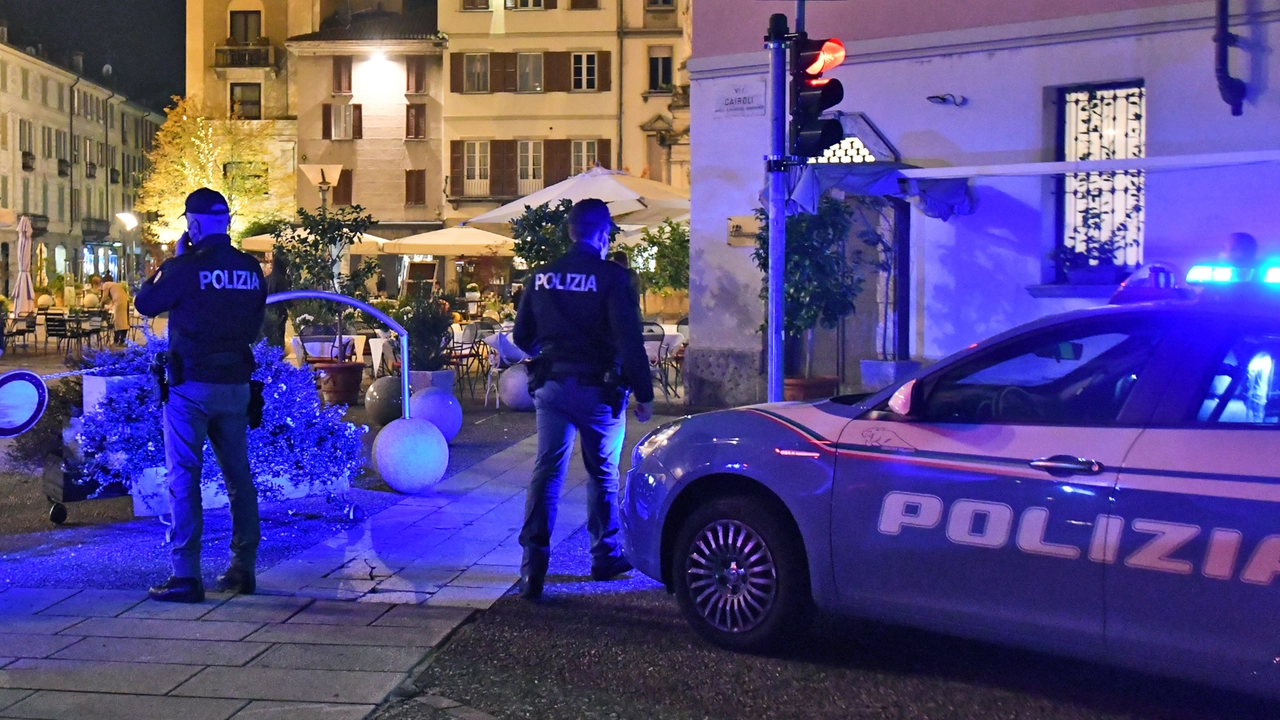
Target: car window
point(1076, 376)
point(1245, 390)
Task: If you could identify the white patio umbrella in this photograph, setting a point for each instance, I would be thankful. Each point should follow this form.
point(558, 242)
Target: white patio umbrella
point(24, 295)
point(453, 242)
point(366, 244)
point(624, 194)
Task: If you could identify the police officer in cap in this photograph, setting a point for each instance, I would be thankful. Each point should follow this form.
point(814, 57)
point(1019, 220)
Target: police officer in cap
point(580, 319)
point(215, 296)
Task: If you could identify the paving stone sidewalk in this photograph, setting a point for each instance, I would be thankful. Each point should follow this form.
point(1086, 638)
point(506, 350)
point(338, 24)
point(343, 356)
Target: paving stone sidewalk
point(331, 634)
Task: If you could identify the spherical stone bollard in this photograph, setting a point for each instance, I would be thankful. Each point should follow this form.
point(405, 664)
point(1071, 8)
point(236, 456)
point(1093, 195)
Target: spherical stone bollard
point(91, 300)
point(44, 302)
point(383, 400)
point(439, 406)
point(513, 388)
point(411, 455)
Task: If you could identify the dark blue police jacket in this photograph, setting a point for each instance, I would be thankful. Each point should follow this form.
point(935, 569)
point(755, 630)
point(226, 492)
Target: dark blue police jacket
point(215, 296)
point(583, 309)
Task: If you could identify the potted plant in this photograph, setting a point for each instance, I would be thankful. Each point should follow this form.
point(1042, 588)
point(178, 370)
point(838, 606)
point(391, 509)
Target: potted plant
point(429, 322)
point(821, 284)
point(473, 292)
point(57, 288)
point(872, 215)
point(1093, 262)
point(316, 251)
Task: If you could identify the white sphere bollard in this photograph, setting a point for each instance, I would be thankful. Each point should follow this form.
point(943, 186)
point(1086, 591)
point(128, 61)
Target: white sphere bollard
point(513, 388)
point(440, 407)
point(91, 300)
point(44, 302)
point(411, 455)
point(382, 401)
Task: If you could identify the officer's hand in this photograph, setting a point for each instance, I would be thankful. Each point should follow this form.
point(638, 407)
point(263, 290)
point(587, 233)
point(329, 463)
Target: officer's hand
point(183, 245)
point(644, 412)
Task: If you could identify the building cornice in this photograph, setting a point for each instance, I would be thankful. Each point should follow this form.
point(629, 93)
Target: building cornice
point(350, 47)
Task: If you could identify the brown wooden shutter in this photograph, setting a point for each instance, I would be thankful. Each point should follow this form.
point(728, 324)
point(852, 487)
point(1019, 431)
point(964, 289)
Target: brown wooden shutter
point(502, 72)
point(457, 168)
point(341, 74)
point(455, 72)
point(548, 4)
point(557, 159)
point(584, 4)
point(603, 154)
point(326, 121)
point(416, 74)
point(342, 191)
point(415, 187)
point(509, 80)
point(357, 122)
point(604, 76)
point(557, 71)
point(502, 168)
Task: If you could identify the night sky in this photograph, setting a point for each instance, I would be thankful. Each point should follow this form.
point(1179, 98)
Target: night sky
point(143, 40)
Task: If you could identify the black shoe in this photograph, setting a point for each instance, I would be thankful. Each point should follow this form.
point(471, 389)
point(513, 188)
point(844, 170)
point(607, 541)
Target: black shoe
point(530, 588)
point(614, 567)
point(179, 590)
point(237, 580)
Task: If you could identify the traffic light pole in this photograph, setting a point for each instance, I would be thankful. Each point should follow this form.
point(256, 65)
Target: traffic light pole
point(776, 164)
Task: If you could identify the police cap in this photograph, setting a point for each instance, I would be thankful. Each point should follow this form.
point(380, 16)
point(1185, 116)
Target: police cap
point(590, 213)
point(207, 202)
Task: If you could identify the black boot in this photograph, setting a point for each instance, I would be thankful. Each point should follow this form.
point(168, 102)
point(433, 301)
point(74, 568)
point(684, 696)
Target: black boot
point(178, 589)
point(237, 580)
point(530, 586)
point(610, 568)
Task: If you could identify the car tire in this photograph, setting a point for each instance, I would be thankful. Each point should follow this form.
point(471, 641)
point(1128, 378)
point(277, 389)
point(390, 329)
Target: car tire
point(740, 576)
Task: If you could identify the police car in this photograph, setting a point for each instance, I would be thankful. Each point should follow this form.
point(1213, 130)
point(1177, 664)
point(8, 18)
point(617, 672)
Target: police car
point(1102, 483)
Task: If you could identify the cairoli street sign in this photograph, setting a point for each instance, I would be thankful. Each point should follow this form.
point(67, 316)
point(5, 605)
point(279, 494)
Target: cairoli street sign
point(741, 98)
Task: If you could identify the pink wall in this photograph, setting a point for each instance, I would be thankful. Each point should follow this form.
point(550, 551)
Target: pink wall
point(723, 27)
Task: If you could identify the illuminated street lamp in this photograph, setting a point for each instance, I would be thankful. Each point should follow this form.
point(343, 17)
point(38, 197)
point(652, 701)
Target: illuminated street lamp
point(128, 219)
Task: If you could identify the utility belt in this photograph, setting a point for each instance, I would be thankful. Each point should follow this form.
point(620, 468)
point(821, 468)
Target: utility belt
point(613, 392)
point(168, 368)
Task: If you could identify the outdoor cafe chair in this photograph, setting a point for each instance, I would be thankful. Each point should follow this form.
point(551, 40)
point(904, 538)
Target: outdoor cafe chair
point(17, 330)
point(65, 330)
point(465, 356)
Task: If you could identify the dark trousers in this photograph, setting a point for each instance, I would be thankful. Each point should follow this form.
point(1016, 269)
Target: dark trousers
point(197, 411)
point(566, 409)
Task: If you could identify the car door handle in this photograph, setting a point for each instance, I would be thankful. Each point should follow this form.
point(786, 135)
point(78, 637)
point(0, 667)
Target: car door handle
point(1066, 466)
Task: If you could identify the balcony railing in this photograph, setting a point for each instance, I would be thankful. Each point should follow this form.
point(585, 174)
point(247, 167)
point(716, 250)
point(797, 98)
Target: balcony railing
point(95, 227)
point(64, 168)
point(475, 188)
point(115, 176)
point(525, 187)
point(28, 161)
point(244, 56)
point(91, 170)
point(39, 224)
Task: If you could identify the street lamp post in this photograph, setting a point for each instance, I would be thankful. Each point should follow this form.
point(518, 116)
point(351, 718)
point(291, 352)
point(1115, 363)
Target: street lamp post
point(130, 223)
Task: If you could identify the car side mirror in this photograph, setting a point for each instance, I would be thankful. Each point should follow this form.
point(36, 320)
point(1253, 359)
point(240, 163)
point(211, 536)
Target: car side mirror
point(906, 399)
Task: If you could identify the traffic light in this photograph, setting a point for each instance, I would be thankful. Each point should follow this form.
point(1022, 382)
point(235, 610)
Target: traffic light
point(811, 94)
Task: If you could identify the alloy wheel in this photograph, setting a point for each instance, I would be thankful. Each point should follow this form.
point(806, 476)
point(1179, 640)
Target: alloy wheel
point(732, 580)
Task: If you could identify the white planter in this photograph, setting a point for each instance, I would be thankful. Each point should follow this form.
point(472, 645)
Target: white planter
point(96, 388)
point(473, 296)
point(151, 492)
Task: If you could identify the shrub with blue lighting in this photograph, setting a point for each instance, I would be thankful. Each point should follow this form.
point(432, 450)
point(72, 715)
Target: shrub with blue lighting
point(300, 438)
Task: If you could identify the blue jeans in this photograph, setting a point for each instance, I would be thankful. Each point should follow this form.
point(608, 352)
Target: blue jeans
point(565, 409)
point(197, 411)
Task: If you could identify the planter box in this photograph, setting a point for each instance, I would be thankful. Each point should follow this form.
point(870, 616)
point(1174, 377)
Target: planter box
point(340, 382)
point(422, 379)
point(151, 492)
point(878, 374)
point(96, 387)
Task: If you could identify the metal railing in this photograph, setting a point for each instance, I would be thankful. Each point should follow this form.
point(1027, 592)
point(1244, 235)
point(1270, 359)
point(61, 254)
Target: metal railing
point(244, 56)
point(475, 188)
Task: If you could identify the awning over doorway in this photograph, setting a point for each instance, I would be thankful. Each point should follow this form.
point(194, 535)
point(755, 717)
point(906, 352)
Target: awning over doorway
point(936, 198)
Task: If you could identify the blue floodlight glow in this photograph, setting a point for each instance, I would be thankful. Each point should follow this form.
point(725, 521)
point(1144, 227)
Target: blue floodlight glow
point(1211, 274)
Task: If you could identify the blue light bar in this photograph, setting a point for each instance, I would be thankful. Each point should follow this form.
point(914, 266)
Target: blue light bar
point(1272, 276)
point(1213, 274)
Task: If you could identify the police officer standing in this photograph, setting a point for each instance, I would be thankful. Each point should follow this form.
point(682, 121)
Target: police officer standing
point(215, 296)
point(580, 319)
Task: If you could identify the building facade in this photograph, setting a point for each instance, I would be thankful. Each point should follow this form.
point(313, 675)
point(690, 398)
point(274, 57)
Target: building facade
point(999, 93)
point(72, 155)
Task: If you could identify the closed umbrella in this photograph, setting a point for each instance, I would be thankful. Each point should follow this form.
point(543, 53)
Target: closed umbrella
point(623, 193)
point(24, 296)
point(453, 242)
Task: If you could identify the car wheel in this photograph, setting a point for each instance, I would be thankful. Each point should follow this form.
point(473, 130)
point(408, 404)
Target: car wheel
point(740, 575)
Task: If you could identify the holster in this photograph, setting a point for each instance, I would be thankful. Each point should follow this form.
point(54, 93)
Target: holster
point(159, 368)
point(539, 372)
point(614, 392)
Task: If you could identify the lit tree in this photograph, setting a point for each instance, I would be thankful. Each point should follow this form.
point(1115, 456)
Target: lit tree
point(231, 156)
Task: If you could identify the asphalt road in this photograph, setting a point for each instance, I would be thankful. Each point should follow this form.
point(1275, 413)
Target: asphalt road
point(622, 650)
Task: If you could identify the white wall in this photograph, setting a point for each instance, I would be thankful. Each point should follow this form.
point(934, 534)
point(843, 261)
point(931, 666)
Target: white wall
point(972, 273)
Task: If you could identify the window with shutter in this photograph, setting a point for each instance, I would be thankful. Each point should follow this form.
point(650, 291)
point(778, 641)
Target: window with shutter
point(357, 122)
point(584, 4)
point(475, 73)
point(529, 72)
point(557, 160)
point(475, 4)
point(604, 74)
point(326, 121)
point(502, 173)
point(415, 187)
point(416, 121)
point(342, 75)
point(557, 70)
point(584, 71)
point(549, 4)
point(584, 156)
point(456, 72)
point(416, 74)
point(456, 169)
point(603, 153)
point(342, 191)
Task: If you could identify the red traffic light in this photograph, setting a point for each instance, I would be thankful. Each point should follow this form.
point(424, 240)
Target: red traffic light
point(823, 55)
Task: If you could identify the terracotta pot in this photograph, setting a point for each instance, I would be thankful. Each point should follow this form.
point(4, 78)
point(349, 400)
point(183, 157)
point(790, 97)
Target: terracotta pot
point(814, 388)
point(340, 382)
